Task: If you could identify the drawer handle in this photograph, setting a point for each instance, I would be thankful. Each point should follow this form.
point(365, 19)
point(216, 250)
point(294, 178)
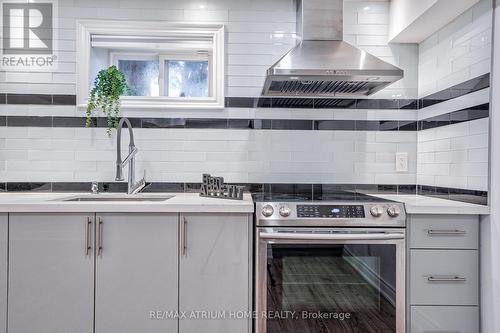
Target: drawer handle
point(441, 278)
point(456, 232)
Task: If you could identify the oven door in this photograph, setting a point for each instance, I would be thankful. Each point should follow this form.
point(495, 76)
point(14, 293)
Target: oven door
point(330, 280)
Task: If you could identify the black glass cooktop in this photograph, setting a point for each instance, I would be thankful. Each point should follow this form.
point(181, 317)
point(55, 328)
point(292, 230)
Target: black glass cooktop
point(331, 196)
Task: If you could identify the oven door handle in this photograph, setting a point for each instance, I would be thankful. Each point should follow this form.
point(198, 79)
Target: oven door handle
point(319, 236)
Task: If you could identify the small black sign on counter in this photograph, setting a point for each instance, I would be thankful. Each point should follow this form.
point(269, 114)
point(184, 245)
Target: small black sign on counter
point(214, 187)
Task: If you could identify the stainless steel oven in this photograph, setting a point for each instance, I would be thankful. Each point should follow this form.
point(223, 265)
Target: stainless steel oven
point(330, 267)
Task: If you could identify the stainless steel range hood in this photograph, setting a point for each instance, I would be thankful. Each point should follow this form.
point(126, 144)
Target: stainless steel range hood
point(322, 65)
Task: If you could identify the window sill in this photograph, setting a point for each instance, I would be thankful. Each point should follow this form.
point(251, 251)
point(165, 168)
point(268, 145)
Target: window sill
point(166, 103)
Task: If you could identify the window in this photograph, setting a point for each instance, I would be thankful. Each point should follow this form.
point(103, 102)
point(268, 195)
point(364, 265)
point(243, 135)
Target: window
point(142, 72)
point(166, 65)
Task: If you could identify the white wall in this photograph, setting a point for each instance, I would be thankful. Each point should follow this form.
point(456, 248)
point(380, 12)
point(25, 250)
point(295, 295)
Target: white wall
point(458, 52)
point(490, 225)
point(258, 33)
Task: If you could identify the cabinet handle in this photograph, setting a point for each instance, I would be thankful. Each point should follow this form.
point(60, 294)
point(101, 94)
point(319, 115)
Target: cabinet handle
point(183, 237)
point(99, 235)
point(456, 232)
point(443, 278)
point(88, 245)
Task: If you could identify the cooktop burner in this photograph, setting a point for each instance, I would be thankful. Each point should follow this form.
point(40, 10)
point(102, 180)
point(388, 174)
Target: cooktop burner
point(302, 197)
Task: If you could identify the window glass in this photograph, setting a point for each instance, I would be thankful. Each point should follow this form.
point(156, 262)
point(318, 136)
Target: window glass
point(186, 78)
point(142, 76)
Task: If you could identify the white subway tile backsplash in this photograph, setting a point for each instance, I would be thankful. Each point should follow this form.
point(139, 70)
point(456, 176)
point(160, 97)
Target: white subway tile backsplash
point(472, 141)
point(258, 33)
point(477, 183)
point(451, 181)
point(463, 152)
point(458, 52)
point(479, 126)
point(478, 155)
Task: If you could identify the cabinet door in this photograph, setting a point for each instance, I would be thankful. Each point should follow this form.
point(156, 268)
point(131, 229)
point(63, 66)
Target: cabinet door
point(214, 272)
point(3, 272)
point(444, 277)
point(444, 319)
point(51, 275)
point(136, 272)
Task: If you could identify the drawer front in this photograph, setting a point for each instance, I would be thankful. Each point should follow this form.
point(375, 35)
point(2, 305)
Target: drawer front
point(444, 277)
point(444, 319)
point(444, 231)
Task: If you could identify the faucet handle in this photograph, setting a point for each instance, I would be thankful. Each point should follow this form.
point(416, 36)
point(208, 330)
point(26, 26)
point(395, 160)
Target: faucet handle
point(95, 187)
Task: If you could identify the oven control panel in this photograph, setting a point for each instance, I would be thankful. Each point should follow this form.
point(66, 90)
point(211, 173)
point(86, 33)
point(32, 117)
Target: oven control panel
point(331, 211)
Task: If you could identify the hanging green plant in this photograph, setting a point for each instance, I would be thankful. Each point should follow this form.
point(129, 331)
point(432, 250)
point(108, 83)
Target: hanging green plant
point(109, 85)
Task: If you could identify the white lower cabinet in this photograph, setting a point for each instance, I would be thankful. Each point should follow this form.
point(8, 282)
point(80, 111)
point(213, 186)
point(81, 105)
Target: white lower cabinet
point(443, 274)
point(51, 274)
point(136, 272)
point(215, 273)
point(3, 271)
point(125, 273)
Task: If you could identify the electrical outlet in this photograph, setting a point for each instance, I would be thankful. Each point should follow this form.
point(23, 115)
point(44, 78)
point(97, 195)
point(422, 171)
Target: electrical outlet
point(402, 162)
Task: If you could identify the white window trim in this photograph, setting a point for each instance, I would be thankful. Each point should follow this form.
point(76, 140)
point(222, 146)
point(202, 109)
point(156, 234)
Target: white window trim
point(87, 28)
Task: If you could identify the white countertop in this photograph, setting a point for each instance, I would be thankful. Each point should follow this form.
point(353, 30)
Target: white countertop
point(418, 204)
point(192, 202)
point(180, 202)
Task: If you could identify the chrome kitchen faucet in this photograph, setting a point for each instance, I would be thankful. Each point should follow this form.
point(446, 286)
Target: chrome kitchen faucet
point(133, 187)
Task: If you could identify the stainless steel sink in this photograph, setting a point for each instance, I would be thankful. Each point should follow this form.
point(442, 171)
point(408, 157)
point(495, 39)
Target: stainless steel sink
point(118, 197)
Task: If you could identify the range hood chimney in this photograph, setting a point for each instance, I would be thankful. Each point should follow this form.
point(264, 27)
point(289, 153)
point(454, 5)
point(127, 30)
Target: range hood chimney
point(322, 64)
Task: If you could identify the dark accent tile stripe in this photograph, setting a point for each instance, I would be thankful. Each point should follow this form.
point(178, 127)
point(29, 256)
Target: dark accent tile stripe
point(29, 99)
point(71, 122)
point(307, 190)
point(472, 113)
point(205, 123)
point(477, 112)
point(377, 104)
point(64, 99)
point(407, 125)
point(28, 186)
point(163, 123)
point(463, 195)
point(455, 91)
point(71, 187)
point(346, 125)
point(24, 121)
point(3, 98)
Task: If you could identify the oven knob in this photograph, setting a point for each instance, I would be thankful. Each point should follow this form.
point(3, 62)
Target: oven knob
point(376, 211)
point(285, 211)
point(393, 211)
point(267, 210)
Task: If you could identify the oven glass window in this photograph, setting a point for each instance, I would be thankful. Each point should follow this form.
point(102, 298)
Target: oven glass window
point(331, 288)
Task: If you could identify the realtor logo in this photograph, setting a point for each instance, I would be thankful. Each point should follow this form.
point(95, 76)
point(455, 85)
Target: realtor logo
point(27, 28)
point(29, 35)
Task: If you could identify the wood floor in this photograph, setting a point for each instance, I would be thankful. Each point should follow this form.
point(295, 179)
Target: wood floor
point(328, 285)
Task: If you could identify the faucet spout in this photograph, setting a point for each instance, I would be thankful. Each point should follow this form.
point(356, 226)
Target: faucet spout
point(133, 187)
